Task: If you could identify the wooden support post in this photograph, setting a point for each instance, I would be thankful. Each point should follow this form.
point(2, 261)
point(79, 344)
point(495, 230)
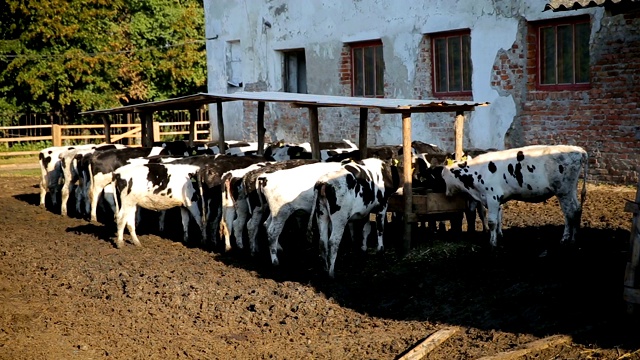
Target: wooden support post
point(107, 128)
point(631, 292)
point(56, 135)
point(315, 134)
point(193, 114)
point(146, 119)
point(362, 138)
point(221, 143)
point(459, 134)
point(407, 189)
point(261, 129)
point(156, 131)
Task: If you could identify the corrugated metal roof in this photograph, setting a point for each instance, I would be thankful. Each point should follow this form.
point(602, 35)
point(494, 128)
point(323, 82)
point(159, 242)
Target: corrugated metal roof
point(385, 105)
point(564, 5)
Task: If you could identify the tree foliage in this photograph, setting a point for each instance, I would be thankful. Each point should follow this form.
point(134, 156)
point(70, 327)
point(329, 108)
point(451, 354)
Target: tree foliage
point(66, 56)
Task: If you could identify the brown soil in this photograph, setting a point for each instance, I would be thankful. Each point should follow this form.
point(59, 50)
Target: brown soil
point(66, 292)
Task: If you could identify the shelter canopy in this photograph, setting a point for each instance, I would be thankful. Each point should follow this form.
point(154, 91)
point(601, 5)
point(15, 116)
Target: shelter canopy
point(300, 100)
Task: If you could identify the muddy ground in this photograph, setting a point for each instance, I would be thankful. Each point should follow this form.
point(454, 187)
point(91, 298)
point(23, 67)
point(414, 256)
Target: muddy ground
point(67, 293)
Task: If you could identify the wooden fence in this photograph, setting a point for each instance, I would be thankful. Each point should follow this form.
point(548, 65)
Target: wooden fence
point(76, 134)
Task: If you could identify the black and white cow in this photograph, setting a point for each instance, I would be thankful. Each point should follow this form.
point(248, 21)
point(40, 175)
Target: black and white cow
point(231, 184)
point(532, 174)
point(101, 164)
point(51, 171)
point(282, 193)
point(248, 201)
point(70, 164)
point(353, 192)
point(155, 187)
point(281, 151)
point(210, 183)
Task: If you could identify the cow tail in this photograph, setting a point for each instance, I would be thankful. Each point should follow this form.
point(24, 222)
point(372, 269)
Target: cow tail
point(116, 194)
point(312, 215)
point(583, 193)
point(199, 176)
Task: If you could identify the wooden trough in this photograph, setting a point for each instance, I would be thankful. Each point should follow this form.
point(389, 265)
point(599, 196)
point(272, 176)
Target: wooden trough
point(406, 203)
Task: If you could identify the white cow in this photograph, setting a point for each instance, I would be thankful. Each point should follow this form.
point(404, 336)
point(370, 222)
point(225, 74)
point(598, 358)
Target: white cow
point(281, 151)
point(353, 192)
point(282, 193)
point(156, 187)
point(531, 174)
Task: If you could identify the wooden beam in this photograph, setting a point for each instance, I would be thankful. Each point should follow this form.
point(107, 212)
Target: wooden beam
point(459, 135)
point(537, 345)
point(107, 128)
point(261, 129)
point(362, 138)
point(221, 143)
point(407, 189)
point(315, 134)
point(147, 135)
point(193, 114)
point(429, 344)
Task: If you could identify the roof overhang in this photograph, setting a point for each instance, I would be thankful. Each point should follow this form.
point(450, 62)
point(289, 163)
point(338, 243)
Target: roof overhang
point(616, 6)
point(296, 100)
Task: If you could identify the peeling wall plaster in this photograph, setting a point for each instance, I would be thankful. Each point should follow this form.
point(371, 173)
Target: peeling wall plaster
point(323, 27)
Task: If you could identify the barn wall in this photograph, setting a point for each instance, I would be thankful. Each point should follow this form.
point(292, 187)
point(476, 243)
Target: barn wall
point(602, 119)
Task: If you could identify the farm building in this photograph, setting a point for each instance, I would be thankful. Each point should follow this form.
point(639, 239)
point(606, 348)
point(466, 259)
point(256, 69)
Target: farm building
point(567, 76)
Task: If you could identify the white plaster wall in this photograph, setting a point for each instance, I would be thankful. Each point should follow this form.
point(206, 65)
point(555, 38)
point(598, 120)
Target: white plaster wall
point(322, 27)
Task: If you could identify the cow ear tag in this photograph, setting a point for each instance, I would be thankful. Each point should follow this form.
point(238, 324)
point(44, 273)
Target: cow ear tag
point(395, 162)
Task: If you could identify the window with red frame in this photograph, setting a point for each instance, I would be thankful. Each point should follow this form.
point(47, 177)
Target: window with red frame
point(452, 63)
point(563, 53)
point(367, 69)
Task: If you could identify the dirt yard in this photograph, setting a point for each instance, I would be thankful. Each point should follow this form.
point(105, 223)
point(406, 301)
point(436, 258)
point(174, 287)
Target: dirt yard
point(67, 293)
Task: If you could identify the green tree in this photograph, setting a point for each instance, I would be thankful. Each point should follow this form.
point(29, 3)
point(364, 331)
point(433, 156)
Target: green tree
point(66, 56)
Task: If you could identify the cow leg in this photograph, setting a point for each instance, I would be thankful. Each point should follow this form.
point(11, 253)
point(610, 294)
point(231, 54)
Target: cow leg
point(94, 195)
point(66, 189)
point(131, 225)
point(470, 214)
point(43, 191)
point(185, 224)
point(572, 214)
point(253, 227)
point(482, 214)
point(215, 225)
point(494, 221)
point(366, 231)
point(380, 218)
point(240, 221)
point(79, 198)
point(226, 224)
point(161, 218)
point(194, 210)
point(121, 221)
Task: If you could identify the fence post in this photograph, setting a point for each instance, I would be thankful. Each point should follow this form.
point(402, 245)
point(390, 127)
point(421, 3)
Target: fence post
point(156, 131)
point(56, 135)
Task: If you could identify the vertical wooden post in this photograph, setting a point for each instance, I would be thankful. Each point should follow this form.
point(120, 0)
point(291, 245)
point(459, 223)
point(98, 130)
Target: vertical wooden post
point(221, 143)
point(407, 189)
point(107, 128)
point(362, 138)
point(631, 293)
point(56, 135)
point(261, 129)
point(156, 131)
point(146, 130)
point(459, 133)
point(315, 134)
point(193, 113)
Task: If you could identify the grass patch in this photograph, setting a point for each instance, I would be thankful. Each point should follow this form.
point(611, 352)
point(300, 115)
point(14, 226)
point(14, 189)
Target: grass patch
point(9, 160)
point(20, 173)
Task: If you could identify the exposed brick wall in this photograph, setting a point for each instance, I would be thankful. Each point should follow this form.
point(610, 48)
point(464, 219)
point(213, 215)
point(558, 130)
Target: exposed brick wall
point(603, 119)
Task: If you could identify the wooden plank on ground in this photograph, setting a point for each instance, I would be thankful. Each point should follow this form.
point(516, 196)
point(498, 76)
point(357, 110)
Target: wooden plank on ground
point(537, 345)
point(430, 343)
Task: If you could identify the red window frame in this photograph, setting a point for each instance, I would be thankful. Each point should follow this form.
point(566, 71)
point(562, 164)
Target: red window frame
point(465, 66)
point(555, 23)
point(378, 69)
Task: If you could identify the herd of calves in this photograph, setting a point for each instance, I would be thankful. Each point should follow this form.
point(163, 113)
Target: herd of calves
point(240, 192)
